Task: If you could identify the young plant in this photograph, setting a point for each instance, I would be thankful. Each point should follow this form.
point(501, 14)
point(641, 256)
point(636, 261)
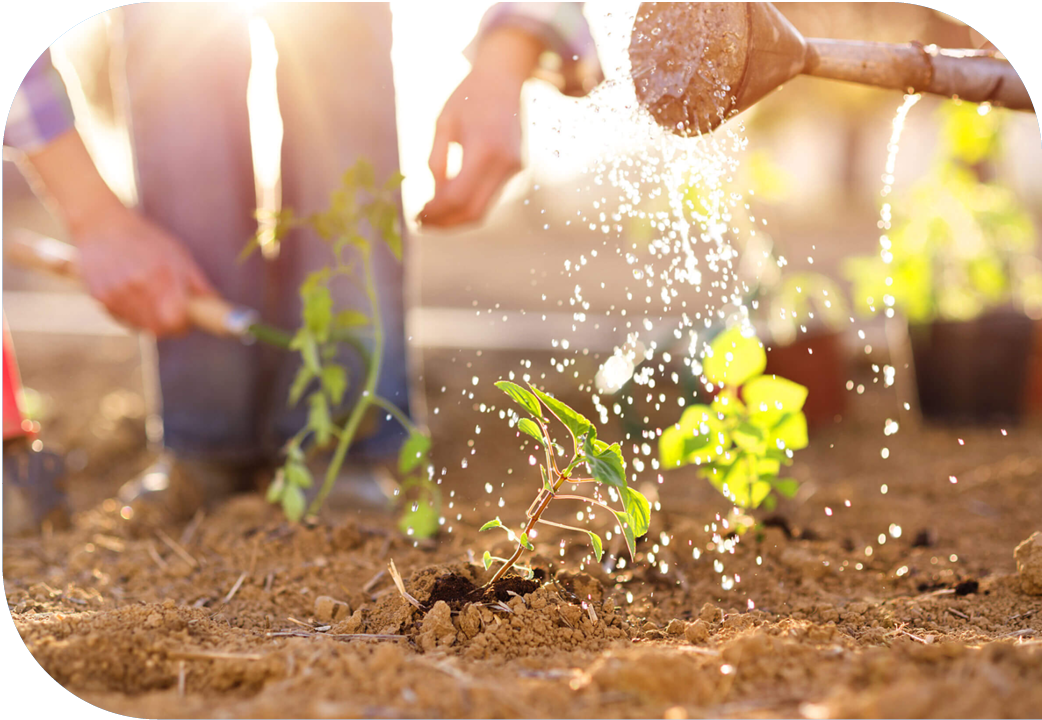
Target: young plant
point(602, 461)
point(750, 430)
point(961, 244)
point(321, 381)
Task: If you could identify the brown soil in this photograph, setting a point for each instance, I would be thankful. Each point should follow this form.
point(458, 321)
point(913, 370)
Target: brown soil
point(233, 614)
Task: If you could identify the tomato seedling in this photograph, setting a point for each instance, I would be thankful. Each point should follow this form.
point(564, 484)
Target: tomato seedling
point(603, 462)
point(321, 381)
point(755, 422)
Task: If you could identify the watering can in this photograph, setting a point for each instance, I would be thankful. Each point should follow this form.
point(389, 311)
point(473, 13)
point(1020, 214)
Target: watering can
point(697, 64)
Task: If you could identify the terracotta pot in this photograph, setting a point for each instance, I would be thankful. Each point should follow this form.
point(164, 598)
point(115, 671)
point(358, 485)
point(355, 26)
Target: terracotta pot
point(1034, 390)
point(815, 360)
point(974, 371)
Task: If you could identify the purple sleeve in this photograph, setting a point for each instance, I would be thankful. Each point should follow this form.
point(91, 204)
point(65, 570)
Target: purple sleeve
point(40, 111)
point(562, 28)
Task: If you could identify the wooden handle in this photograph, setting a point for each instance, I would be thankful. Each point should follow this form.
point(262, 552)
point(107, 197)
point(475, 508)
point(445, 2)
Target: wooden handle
point(209, 313)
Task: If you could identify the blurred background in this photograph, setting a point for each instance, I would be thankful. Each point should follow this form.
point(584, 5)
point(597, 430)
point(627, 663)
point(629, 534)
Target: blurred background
point(815, 158)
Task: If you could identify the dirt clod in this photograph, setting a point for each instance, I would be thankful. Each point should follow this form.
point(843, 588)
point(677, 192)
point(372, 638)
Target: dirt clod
point(437, 629)
point(675, 627)
point(696, 632)
point(1029, 564)
point(328, 609)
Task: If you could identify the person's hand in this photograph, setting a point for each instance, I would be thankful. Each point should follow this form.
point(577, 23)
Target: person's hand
point(139, 272)
point(483, 116)
point(142, 274)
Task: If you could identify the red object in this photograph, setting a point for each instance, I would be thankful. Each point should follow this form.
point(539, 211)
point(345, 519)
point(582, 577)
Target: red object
point(16, 425)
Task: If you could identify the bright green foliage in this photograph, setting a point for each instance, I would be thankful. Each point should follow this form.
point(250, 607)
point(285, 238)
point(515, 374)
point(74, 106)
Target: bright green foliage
point(750, 430)
point(603, 461)
point(959, 245)
point(322, 382)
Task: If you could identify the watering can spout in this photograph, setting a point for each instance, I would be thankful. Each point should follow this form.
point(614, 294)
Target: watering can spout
point(696, 64)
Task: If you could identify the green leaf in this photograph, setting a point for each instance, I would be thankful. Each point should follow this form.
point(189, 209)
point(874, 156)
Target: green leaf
point(529, 427)
point(739, 480)
point(319, 419)
point(604, 462)
point(523, 539)
point(413, 452)
point(787, 487)
point(486, 560)
point(521, 396)
point(360, 175)
point(334, 380)
point(791, 431)
point(318, 310)
point(275, 489)
point(293, 503)
point(638, 510)
point(760, 490)
point(772, 394)
point(696, 436)
point(733, 358)
point(598, 546)
point(304, 343)
point(748, 437)
point(297, 473)
point(421, 518)
point(577, 424)
point(497, 523)
point(347, 319)
point(394, 180)
point(627, 532)
point(300, 384)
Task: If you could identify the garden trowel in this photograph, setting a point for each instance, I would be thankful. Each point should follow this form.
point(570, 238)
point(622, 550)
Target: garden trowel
point(211, 314)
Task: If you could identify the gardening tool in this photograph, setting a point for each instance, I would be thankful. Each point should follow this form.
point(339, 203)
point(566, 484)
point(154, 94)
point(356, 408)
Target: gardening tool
point(32, 492)
point(696, 64)
point(211, 314)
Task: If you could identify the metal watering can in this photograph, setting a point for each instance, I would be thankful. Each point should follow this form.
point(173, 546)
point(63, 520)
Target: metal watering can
point(697, 64)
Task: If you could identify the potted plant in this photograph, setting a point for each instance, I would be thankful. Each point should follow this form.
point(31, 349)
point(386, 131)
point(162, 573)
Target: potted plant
point(959, 266)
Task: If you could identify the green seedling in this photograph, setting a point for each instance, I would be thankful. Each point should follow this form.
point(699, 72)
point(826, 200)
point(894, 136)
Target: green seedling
point(740, 441)
point(602, 461)
point(960, 244)
point(321, 381)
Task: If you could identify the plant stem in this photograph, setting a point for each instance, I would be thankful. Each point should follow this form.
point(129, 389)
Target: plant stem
point(395, 411)
point(561, 478)
point(368, 396)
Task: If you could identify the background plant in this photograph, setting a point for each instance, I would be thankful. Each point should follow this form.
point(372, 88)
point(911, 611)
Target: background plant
point(322, 382)
point(752, 427)
point(960, 243)
point(603, 462)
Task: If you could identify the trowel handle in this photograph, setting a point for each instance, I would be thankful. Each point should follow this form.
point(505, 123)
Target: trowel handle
point(209, 313)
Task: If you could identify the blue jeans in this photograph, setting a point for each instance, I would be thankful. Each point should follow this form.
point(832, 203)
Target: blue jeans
point(186, 73)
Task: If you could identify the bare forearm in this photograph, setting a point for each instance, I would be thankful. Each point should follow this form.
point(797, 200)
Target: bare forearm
point(511, 51)
point(71, 182)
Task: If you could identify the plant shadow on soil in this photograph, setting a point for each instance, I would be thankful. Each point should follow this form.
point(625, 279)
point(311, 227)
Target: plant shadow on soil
point(868, 612)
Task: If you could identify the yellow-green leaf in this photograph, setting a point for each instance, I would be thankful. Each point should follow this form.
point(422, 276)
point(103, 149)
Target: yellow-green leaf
point(734, 358)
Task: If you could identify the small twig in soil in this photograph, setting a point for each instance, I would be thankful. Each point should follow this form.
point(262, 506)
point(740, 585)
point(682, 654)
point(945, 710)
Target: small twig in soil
point(181, 678)
point(301, 623)
point(181, 552)
point(396, 576)
point(235, 589)
point(373, 580)
point(1027, 614)
point(342, 636)
point(1025, 632)
point(214, 655)
point(914, 637)
point(958, 614)
point(154, 554)
point(268, 581)
point(201, 602)
point(192, 526)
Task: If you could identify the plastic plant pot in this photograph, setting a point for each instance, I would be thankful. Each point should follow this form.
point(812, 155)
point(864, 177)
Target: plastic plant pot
point(974, 371)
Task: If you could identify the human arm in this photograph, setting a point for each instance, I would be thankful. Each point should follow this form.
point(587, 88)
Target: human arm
point(141, 273)
point(516, 41)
